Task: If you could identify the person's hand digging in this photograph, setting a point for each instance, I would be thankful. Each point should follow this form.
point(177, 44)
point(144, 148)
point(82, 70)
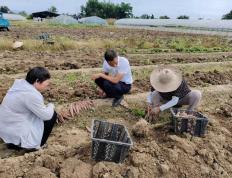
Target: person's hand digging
point(156, 111)
point(149, 108)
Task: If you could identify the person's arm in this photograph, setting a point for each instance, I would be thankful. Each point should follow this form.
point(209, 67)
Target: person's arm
point(170, 103)
point(150, 98)
point(114, 79)
point(37, 106)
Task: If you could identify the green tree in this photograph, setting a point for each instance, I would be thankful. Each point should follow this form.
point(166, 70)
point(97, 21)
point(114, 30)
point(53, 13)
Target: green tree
point(4, 9)
point(92, 8)
point(145, 16)
point(106, 9)
point(23, 13)
point(183, 17)
point(125, 10)
point(52, 9)
point(164, 17)
point(29, 17)
point(227, 16)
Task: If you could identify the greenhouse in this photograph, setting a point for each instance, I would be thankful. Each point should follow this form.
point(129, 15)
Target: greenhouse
point(64, 20)
point(219, 25)
point(13, 17)
point(94, 20)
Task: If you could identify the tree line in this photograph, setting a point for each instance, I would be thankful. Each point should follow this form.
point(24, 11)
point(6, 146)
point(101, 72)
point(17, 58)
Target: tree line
point(106, 9)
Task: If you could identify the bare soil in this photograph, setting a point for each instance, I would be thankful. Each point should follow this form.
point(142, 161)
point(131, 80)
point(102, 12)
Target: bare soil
point(157, 152)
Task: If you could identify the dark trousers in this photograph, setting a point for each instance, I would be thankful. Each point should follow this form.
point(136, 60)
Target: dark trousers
point(48, 126)
point(113, 90)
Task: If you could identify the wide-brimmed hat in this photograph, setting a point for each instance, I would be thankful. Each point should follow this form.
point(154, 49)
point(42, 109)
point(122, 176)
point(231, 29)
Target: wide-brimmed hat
point(165, 79)
point(17, 44)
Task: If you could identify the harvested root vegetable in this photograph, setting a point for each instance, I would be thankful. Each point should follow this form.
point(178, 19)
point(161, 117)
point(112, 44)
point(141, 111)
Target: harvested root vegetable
point(141, 128)
point(74, 109)
point(185, 115)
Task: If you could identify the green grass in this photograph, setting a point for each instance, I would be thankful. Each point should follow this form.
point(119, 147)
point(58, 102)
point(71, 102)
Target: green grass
point(138, 112)
point(71, 78)
point(136, 44)
point(47, 24)
point(61, 44)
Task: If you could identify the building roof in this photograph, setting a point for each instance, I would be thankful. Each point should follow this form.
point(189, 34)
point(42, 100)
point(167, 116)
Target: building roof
point(44, 14)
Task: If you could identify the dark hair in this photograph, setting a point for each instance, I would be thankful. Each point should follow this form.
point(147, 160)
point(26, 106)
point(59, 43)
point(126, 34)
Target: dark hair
point(110, 54)
point(37, 74)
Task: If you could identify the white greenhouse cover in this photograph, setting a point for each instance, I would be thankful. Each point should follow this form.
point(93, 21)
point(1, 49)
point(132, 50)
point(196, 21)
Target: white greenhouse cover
point(94, 20)
point(13, 17)
point(63, 19)
point(208, 24)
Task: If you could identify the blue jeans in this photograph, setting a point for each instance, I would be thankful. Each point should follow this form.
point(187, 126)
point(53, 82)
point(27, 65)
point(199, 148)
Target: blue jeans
point(113, 90)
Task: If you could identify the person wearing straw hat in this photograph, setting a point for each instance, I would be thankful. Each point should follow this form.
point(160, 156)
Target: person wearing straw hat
point(169, 89)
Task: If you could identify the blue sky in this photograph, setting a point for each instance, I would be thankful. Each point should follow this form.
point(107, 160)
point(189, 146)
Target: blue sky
point(212, 9)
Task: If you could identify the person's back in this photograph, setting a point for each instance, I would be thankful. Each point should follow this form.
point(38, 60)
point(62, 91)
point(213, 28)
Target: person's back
point(23, 113)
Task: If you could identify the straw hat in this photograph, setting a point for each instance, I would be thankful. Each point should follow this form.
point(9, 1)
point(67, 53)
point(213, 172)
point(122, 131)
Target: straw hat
point(17, 44)
point(165, 79)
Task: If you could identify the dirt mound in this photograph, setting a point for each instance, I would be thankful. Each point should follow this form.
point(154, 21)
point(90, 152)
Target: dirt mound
point(65, 153)
point(21, 61)
point(197, 79)
point(141, 128)
point(40, 172)
point(161, 154)
point(58, 93)
point(73, 167)
point(225, 110)
point(167, 58)
point(62, 94)
point(85, 91)
point(214, 78)
point(108, 170)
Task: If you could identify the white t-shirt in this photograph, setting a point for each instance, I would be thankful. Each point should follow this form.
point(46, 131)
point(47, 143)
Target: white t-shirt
point(122, 68)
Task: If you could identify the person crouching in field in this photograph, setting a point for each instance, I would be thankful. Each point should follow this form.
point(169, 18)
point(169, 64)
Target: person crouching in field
point(169, 89)
point(25, 121)
point(116, 78)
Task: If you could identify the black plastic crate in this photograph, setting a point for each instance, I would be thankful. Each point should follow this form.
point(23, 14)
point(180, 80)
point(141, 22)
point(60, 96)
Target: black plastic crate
point(110, 141)
point(194, 125)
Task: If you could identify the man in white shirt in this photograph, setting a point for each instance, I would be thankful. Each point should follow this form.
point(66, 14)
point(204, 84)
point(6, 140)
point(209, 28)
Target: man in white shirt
point(169, 90)
point(116, 79)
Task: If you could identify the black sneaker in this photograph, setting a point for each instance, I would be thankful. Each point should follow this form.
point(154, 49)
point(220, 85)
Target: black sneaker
point(117, 101)
point(11, 146)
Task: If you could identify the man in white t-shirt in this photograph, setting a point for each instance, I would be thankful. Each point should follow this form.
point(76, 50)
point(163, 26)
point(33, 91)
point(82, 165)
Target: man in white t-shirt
point(116, 79)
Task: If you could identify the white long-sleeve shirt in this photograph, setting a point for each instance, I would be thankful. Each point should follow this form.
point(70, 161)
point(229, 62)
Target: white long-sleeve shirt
point(165, 106)
point(22, 115)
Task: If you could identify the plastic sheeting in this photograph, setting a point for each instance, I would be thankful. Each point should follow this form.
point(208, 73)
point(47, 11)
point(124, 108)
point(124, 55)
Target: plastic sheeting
point(13, 17)
point(64, 20)
point(94, 20)
point(207, 24)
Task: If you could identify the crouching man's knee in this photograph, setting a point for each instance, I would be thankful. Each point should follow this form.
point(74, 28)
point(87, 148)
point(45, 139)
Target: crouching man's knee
point(196, 96)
